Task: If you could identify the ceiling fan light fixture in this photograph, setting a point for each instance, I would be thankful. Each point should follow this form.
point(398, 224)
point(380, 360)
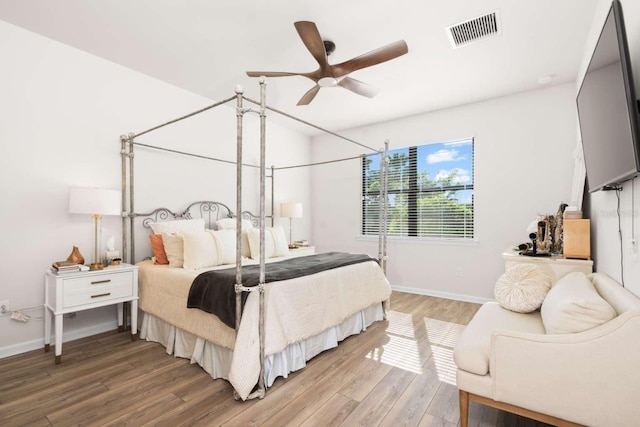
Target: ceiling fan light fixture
point(328, 82)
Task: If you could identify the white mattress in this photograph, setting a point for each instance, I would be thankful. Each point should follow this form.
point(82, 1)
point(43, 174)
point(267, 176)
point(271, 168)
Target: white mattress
point(295, 310)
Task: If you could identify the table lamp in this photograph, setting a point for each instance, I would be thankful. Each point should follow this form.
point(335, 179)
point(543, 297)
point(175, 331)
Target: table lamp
point(291, 210)
point(95, 202)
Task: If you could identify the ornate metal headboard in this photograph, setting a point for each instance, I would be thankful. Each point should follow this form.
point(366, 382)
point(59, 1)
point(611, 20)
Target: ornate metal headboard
point(209, 211)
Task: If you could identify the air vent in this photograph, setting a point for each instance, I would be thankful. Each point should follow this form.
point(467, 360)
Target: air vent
point(474, 30)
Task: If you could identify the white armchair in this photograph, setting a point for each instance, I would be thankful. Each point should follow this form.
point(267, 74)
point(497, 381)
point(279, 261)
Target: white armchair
point(507, 360)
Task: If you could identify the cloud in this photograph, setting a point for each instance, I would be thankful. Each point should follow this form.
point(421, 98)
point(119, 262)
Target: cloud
point(463, 175)
point(444, 155)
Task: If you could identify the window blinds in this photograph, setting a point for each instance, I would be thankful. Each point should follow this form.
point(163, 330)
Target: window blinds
point(430, 192)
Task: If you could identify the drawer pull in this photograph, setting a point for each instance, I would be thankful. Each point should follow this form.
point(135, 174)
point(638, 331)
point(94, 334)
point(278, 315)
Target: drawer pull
point(100, 281)
point(101, 295)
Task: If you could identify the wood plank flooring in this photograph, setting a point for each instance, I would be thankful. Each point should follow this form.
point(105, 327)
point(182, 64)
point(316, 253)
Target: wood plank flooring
point(399, 372)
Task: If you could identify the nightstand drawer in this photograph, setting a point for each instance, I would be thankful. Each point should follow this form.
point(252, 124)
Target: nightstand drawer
point(96, 288)
point(74, 299)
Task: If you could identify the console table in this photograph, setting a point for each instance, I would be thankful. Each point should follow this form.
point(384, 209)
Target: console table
point(555, 266)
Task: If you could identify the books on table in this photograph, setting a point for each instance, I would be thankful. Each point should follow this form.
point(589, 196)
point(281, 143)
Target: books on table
point(61, 267)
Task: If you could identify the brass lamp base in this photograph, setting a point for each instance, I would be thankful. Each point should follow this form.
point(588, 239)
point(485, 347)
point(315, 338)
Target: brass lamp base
point(96, 266)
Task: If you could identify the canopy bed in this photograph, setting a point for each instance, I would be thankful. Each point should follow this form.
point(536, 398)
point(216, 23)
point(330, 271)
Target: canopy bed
point(279, 320)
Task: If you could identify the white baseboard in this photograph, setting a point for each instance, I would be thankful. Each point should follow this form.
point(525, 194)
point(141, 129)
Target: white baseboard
point(23, 347)
point(439, 294)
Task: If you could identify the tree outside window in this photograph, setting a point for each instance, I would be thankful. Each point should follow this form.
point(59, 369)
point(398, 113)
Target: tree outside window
point(430, 191)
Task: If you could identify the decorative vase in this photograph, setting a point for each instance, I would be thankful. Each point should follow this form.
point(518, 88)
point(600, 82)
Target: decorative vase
point(76, 256)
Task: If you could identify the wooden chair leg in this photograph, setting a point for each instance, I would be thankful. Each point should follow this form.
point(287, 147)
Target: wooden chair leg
point(463, 396)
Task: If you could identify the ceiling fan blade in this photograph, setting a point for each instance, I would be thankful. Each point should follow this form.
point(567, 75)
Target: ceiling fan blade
point(308, 97)
point(311, 38)
point(359, 87)
point(270, 74)
point(382, 54)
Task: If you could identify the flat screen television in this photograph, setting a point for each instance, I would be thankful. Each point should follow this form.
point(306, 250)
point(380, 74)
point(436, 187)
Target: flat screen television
point(608, 110)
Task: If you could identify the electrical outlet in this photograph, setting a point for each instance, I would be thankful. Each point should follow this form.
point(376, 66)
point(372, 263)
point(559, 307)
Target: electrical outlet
point(4, 307)
point(459, 271)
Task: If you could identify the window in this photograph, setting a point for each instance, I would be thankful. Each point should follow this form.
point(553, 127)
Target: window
point(430, 191)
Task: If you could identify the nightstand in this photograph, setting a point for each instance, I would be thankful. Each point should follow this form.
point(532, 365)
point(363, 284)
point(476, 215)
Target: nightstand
point(303, 251)
point(84, 290)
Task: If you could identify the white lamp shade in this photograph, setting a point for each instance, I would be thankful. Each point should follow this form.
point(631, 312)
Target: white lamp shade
point(92, 201)
point(291, 210)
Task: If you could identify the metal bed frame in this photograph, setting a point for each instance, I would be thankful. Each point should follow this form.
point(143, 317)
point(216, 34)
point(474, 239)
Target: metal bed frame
point(127, 144)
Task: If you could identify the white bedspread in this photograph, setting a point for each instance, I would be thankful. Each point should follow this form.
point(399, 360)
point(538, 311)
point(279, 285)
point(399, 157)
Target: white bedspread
point(295, 309)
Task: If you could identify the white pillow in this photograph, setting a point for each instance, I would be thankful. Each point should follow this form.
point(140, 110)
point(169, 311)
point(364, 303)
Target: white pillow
point(200, 250)
point(230, 224)
point(574, 305)
point(174, 248)
point(275, 242)
point(226, 240)
point(522, 288)
point(186, 225)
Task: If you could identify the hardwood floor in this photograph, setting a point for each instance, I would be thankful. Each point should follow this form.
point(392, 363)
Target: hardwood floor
point(399, 372)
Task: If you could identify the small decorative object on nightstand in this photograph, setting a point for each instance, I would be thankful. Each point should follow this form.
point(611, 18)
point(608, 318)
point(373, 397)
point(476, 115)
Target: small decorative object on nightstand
point(83, 290)
point(95, 202)
point(76, 256)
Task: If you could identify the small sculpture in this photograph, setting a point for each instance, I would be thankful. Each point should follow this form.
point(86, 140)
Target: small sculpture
point(76, 256)
point(547, 238)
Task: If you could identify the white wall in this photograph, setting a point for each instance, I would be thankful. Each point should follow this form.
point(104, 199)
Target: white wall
point(62, 113)
point(606, 245)
point(523, 167)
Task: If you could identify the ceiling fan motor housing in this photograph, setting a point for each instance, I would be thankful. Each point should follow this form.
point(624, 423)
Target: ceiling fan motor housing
point(329, 46)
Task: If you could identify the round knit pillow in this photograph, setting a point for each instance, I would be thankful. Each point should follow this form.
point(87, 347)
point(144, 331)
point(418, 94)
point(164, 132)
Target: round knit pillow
point(522, 288)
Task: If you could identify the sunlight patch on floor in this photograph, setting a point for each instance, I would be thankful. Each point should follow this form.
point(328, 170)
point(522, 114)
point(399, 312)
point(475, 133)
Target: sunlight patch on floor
point(400, 352)
point(400, 324)
point(443, 363)
point(403, 351)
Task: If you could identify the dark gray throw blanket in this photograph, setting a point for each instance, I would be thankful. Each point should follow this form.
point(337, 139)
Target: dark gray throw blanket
point(214, 291)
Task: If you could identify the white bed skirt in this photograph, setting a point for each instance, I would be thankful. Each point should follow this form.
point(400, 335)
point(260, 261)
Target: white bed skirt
point(216, 360)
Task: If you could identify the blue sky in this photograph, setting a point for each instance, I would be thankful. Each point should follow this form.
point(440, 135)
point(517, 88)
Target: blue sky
point(441, 158)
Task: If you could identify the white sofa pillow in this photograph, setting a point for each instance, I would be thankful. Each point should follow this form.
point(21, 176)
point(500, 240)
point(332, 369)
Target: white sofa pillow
point(275, 242)
point(230, 224)
point(573, 305)
point(226, 240)
point(522, 288)
point(178, 226)
point(200, 250)
point(174, 248)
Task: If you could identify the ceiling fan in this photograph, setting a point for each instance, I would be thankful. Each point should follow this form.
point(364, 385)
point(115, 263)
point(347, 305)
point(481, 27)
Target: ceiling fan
point(328, 75)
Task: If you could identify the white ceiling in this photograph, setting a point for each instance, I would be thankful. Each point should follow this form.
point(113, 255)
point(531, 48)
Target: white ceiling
point(205, 46)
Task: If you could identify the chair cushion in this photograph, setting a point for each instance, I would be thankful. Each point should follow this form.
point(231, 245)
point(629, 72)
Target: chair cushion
point(472, 351)
point(522, 288)
point(574, 305)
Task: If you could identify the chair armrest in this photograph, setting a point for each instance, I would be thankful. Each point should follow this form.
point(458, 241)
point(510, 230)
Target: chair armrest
point(588, 377)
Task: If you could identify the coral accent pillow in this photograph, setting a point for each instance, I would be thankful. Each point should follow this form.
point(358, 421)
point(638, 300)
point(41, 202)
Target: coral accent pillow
point(574, 305)
point(158, 249)
point(522, 288)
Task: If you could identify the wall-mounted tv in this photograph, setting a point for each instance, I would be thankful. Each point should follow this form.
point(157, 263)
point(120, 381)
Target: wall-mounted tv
point(608, 110)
